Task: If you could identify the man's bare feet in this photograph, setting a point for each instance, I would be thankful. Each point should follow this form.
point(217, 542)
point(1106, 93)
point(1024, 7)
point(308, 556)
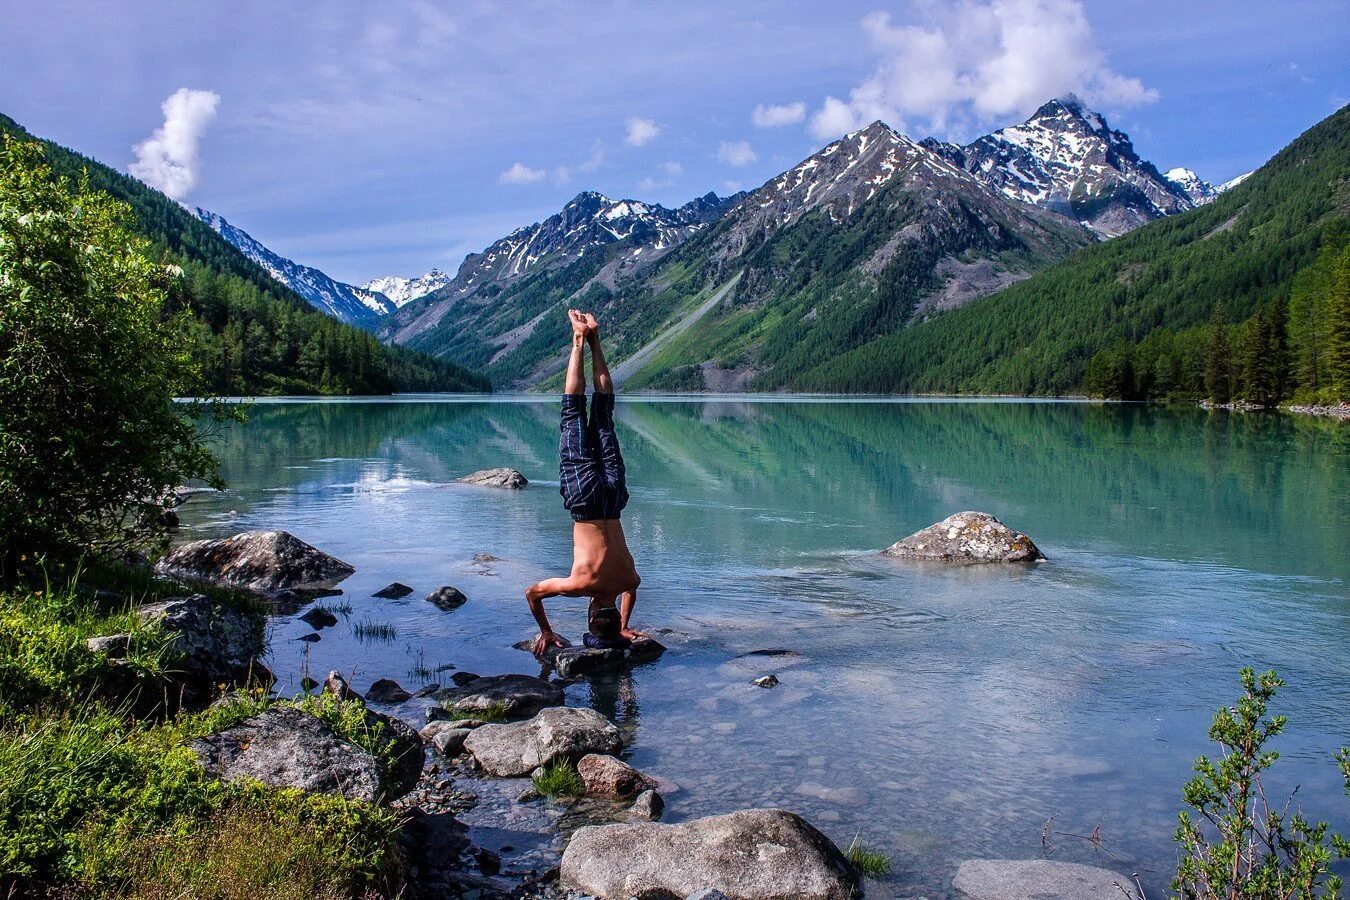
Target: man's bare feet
point(579, 327)
point(592, 326)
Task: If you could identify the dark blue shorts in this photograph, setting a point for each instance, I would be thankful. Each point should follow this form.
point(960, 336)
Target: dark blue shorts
point(591, 470)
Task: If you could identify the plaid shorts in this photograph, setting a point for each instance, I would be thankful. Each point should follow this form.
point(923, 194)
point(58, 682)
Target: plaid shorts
point(591, 470)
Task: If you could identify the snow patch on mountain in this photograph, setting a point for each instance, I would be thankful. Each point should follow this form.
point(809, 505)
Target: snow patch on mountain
point(345, 302)
point(1192, 185)
point(401, 291)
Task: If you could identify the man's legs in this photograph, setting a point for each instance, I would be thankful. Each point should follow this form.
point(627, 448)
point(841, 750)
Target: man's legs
point(602, 418)
point(576, 463)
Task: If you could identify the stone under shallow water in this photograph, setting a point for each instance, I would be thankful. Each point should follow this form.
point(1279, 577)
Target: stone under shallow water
point(514, 695)
point(967, 537)
point(997, 879)
point(502, 477)
point(756, 854)
point(265, 562)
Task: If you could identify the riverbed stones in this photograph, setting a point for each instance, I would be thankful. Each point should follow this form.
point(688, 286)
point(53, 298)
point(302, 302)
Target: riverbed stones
point(386, 690)
point(967, 537)
point(394, 591)
point(446, 736)
point(997, 879)
point(757, 854)
point(285, 747)
point(502, 477)
point(555, 733)
point(265, 562)
point(447, 598)
point(606, 776)
point(516, 696)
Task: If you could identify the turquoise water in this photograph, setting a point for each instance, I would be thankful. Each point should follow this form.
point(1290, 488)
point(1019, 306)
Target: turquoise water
point(938, 713)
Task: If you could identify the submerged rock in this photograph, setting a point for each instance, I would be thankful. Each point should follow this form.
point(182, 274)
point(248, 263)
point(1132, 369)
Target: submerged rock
point(395, 591)
point(447, 598)
point(501, 478)
point(757, 854)
point(285, 747)
point(264, 562)
point(556, 733)
point(995, 879)
point(967, 537)
point(516, 696)
point(606, 776)
point(318, 617)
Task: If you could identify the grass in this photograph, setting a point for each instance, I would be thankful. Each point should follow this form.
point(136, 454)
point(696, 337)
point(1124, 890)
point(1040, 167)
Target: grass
point(867, 859)
point(367, 631)
point(559, 779)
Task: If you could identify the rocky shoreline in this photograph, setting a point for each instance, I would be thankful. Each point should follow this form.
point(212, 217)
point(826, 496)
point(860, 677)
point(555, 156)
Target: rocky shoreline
point(1338, 411)
point(498, 754)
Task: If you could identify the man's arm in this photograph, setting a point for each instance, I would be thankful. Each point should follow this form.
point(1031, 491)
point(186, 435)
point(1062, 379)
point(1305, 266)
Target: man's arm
point(535, 595)
point(626, 604)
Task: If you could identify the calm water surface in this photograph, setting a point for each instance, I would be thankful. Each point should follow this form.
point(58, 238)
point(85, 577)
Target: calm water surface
point(940, 714)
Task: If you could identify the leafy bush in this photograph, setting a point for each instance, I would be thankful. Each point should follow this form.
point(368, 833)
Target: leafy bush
point(1241, 846)
point(89, 367)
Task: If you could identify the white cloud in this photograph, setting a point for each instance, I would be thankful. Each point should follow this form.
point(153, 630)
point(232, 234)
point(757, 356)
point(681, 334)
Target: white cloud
point(737, 153)
point(981, 61)
point(672, 168)
point(562, 174)
point(592, 162)
point(775, 116)
point(650, 184)
point(641, 131)
point(731, 187)
point(521, 174)
point(167, 160)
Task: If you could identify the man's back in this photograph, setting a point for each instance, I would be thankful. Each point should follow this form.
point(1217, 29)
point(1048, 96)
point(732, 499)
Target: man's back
point(601, 560)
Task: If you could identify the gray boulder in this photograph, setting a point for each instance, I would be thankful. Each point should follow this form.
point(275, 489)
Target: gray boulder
point(500, 478)
point(997, 879)
point(570, 662)
point(284, 747)
point(967, 537)
point(446, 736)
point(606, 776)
point(386, 690)
point(556, 733)
point(708, 894)
point(447, 598)
point(756, 854)
point(517, 696)
point(115, 646)
point(216, 644)
point(649, 805)
point(265, 562)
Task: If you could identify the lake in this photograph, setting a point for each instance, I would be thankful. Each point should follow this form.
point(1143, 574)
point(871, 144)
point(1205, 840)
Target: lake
point(937, 713)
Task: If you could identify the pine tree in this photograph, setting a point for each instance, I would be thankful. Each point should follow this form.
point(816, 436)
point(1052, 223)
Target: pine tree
point(1338, 342)
point(1218, 381)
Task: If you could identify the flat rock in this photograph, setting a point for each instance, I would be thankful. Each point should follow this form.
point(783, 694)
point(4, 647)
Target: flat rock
point(1042, 879)
point(386, 690)
point(285, 747)
point(264, 562)
point(395, 591)
point(967, 537)
point(517, 696)
point(571, 661)
point(447, 598)
point(559, 732)
point(606, 776)
point(446, 736)
point(499, 478)
point(756, 854)
point(114, 645)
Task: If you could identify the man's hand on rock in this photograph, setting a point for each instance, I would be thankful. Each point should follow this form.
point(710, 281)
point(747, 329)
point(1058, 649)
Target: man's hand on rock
point(544, 641)
point(632, 634)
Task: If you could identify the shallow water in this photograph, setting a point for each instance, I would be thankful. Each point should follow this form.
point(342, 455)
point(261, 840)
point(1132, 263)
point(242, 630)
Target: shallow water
point(938, 713)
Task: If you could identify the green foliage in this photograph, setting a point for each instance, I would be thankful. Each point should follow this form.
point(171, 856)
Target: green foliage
point(1239, 845)
point(559, 779)
point(248, 333)
point(89, 366)
point(1245, 249)
point(1218, 361)
point(869, 860)
point(493, 713)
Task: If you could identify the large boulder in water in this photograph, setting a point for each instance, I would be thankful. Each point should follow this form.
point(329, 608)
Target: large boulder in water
point(560, 732)
point(285, 747)
point(265, 562)
point(570, 662)
point(606, 776)
point(515, 696)
point(967, 537)
point(997, 879)
point(499, 478)
point(755, 854)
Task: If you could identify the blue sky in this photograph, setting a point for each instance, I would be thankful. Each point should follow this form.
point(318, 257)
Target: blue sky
point(386, 138)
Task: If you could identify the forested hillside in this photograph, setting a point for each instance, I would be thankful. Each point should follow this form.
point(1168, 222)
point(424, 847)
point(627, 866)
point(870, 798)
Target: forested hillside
point(253, 335)
point(1139, 304)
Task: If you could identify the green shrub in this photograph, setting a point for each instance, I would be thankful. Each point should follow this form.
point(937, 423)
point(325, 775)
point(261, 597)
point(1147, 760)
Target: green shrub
point(89, 367)
point(1240, 845)
point(559, 779)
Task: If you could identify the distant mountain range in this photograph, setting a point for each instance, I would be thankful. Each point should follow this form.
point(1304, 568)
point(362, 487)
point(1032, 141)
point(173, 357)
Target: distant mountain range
point(402, 291)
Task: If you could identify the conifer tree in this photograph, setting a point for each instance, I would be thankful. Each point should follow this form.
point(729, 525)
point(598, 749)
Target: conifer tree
point(1218, 382)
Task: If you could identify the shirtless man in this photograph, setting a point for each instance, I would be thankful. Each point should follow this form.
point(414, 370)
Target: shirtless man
point(594, 492)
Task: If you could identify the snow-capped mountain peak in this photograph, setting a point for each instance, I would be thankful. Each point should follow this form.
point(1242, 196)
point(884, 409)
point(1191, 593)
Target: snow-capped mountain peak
point(401, 291)
point(1192, 185)
point(348, 303)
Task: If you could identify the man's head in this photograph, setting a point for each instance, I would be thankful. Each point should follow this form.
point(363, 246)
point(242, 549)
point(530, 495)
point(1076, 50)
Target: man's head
point(603, 618)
